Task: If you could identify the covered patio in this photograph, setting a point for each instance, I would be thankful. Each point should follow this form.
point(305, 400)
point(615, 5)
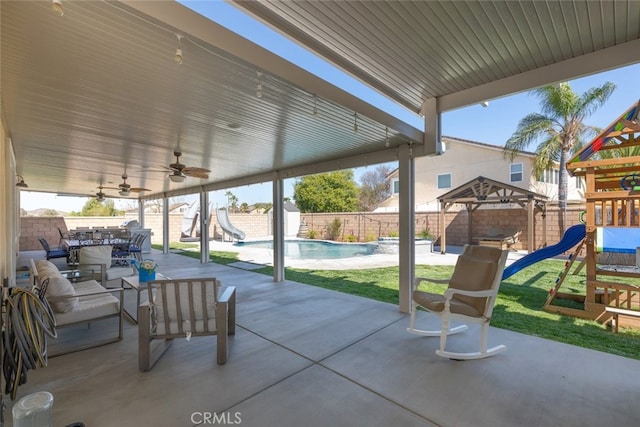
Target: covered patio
point(108, 91)
point(303, 355)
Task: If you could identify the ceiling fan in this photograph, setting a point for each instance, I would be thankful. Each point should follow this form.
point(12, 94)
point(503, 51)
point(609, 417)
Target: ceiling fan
point(125, 189)
point(100, 195)
point(180, 171)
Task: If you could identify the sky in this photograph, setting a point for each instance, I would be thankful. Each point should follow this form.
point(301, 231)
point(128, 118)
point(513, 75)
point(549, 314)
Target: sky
point(492, 125)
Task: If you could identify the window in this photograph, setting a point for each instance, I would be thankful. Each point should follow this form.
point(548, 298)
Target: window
point(579, 183)
point(515, 172)
point(395, 184)
point(444, 180)
point(550, 176)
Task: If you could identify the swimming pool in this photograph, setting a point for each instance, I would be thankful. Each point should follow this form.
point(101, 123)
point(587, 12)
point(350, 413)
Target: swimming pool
point(316, 249)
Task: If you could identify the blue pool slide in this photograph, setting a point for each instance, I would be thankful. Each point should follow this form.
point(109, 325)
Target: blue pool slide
point(571, 237)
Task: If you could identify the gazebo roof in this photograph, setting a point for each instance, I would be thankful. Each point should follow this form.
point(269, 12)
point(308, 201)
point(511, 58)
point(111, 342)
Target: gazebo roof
point(482, 190)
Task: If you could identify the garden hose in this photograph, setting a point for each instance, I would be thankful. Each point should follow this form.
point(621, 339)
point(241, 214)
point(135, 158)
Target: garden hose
point(29, 320)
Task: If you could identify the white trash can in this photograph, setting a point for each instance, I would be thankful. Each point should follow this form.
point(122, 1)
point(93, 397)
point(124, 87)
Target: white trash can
point(33, 410)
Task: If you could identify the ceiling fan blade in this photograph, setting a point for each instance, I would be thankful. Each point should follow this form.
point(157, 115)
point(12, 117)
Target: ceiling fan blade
point(138, 189)
point(195, 170)
point(197, 174)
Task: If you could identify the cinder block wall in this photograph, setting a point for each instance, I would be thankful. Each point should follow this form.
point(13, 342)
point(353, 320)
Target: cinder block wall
point(31, 228)
point(368, 224)
point(363, 225)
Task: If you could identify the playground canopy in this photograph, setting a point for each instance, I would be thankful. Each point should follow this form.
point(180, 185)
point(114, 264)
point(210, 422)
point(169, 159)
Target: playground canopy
point(620, 136)
point(482, 191)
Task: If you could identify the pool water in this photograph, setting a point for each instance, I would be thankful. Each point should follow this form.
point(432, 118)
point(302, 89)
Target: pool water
point(314, 249)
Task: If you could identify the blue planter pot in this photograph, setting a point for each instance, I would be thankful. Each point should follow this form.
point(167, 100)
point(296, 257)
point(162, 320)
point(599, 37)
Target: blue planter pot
point(145, 276)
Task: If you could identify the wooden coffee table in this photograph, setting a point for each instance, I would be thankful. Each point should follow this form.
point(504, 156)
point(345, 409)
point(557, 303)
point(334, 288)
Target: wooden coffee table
point(133, 282)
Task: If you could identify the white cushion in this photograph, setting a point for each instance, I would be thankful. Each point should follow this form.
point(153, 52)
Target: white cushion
point(91, 306)
point(46, 269)
point(57, 286)
point(162, 328)
point(100, 254)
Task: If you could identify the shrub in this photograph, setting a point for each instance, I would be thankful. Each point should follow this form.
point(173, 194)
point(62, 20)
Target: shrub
point(312, 234)
point(425, 234)
point(370, 237)
point(351, 238)
point(333, 229)
point(394, 234)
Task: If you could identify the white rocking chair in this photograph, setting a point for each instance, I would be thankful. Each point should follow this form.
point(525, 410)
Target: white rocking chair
point(469, 297)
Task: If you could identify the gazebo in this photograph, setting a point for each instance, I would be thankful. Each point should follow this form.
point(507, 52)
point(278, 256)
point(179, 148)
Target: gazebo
point(482, 191)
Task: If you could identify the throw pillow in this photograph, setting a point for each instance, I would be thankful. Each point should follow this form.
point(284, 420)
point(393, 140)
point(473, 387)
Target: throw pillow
point(57, 287)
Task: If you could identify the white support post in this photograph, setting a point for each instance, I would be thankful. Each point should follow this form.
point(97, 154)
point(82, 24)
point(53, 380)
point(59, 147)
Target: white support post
point(204, 227)
point(407, 246)
point(278, 228)
point(141, 213)
point(165, 225)
point(432, 143)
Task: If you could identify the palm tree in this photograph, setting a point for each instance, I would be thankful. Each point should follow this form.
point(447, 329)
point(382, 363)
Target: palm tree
point(559, 130)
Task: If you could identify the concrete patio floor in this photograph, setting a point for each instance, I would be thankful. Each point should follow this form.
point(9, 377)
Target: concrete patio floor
point(305, 356)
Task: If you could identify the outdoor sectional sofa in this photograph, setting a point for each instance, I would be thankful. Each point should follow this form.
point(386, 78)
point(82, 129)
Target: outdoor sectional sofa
point(76, 297)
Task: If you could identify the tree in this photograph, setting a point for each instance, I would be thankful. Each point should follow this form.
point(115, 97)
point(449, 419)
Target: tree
point(326, 192)
point(374, 187)
point(559, 130)
point(95, 208)
point(232, 201)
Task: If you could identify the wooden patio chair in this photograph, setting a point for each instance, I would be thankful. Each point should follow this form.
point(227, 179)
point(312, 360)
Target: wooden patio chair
point(185, 308)
point(470, 297)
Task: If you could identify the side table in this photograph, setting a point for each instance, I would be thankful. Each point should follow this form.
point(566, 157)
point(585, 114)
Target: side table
point(133, 282)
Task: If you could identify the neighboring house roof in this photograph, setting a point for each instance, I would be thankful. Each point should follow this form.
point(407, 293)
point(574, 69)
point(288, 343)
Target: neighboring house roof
point(290, 207)
point(470, 142)
point(484, 144)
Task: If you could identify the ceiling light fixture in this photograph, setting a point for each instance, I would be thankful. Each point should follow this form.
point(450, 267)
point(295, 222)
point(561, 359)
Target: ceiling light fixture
point(259, 86)
point(355, 122)
point(176, 177)
point(56, 5)
point(485, 104)
point(124, 192)
point(178, 57)
point(21, 183)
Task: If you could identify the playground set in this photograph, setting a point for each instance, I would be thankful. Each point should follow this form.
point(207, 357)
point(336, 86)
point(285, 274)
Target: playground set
point(611, 224)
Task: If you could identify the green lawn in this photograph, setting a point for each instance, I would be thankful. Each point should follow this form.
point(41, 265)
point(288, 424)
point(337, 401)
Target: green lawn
point(518, 308)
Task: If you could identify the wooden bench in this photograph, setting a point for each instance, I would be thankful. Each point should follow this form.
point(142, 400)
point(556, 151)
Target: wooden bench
point(499, 240)
point(617, 311)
